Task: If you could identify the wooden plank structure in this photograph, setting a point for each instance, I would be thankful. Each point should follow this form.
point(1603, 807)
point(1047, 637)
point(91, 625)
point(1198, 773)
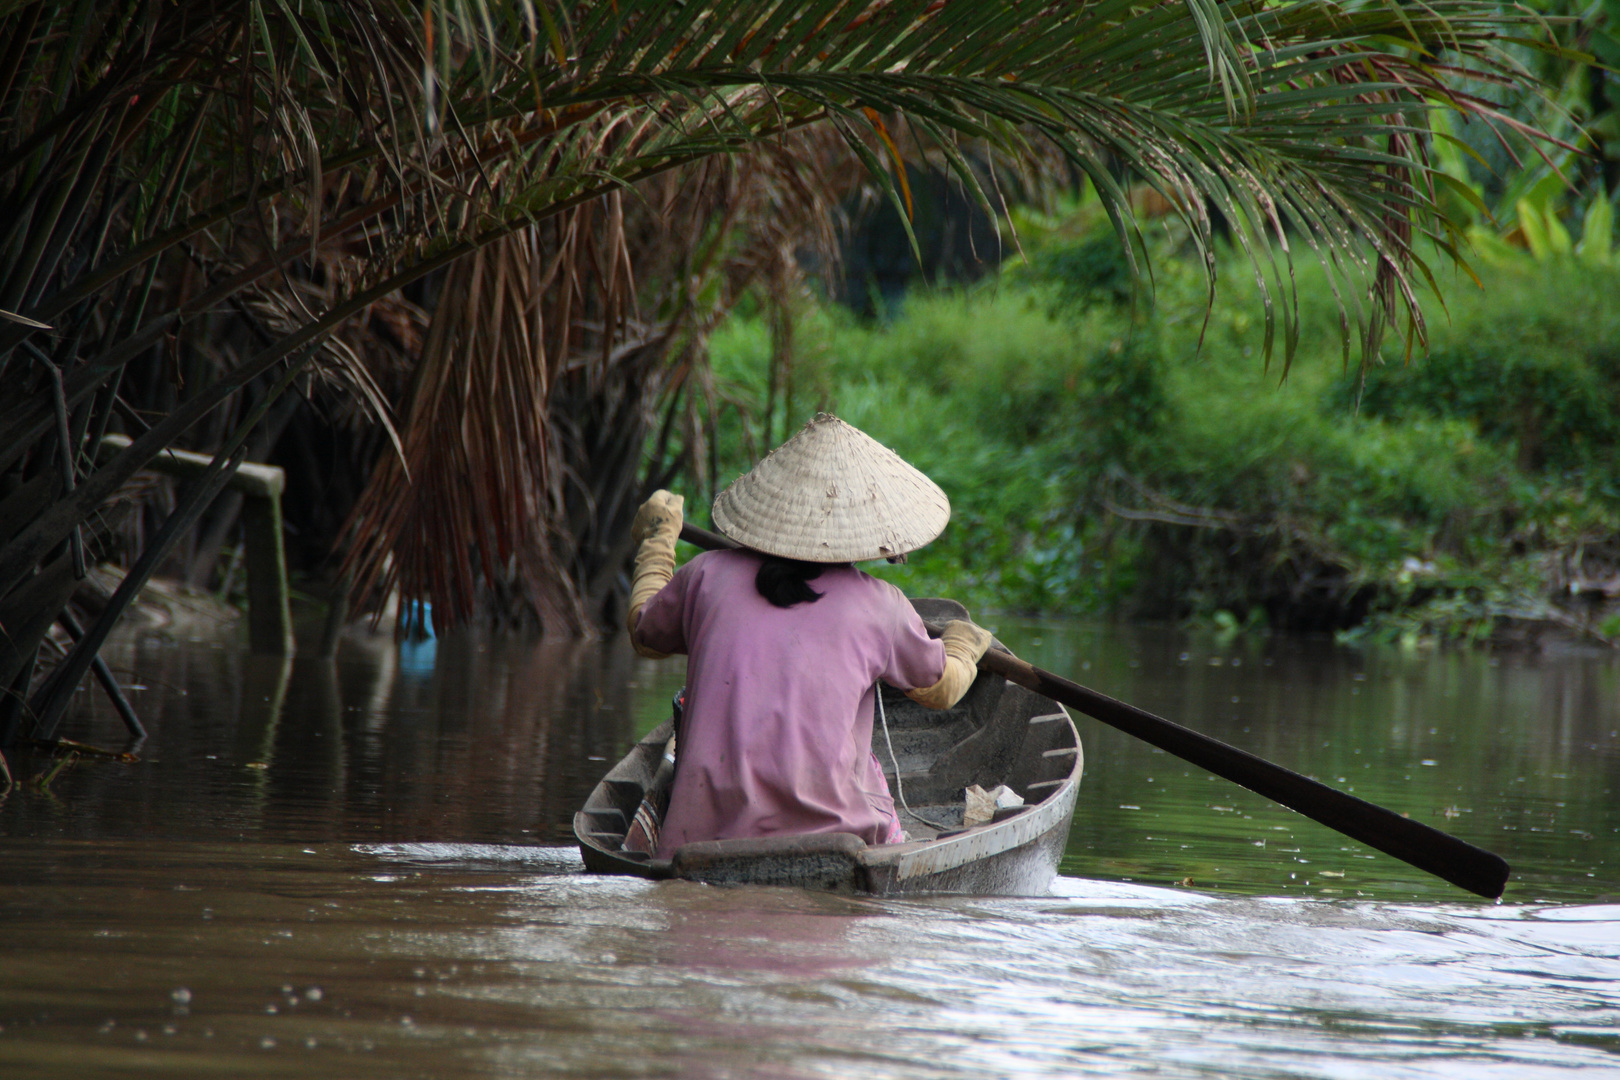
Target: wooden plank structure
point(263, 548)
point(1000, 733)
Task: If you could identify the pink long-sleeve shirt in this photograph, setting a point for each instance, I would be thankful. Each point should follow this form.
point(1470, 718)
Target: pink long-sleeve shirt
point(777, 734)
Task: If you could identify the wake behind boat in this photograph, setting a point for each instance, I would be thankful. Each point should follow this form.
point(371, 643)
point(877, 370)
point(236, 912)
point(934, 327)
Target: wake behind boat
point(998, 734)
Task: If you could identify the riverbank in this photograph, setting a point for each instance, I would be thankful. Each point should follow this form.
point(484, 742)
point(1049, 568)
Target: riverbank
point(1106, 453)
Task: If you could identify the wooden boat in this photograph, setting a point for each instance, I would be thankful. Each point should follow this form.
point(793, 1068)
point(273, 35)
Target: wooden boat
point(999, 733)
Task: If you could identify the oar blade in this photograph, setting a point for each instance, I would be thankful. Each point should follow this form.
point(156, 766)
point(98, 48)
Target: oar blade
point(1481, 872)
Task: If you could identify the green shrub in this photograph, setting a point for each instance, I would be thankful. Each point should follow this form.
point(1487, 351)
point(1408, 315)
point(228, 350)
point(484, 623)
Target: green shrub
point(1098, 460)
point(1540, 373)
point(1090, 270)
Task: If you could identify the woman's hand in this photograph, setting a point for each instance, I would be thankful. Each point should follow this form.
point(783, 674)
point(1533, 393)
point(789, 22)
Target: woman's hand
point(964, 643)
point(966, 639)
point(660, 516)
point(655, 530)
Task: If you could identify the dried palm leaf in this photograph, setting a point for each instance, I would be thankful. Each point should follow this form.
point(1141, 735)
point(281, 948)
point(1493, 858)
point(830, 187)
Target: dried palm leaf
point(470, 493)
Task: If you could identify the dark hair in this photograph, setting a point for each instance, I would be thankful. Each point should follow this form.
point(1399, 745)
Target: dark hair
point(784, 581)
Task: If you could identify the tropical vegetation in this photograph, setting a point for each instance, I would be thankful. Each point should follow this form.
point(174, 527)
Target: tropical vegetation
point(1113, 455)
point(477, 247)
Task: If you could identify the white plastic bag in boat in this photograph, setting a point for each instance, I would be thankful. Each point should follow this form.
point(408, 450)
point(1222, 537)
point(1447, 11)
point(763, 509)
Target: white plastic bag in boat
point(982, 805)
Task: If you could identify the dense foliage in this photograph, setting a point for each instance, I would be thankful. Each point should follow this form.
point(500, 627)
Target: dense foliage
point(205, 204)
point(1105, 458)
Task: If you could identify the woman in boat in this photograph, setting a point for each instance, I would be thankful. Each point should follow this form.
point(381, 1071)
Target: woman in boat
point(786, 639)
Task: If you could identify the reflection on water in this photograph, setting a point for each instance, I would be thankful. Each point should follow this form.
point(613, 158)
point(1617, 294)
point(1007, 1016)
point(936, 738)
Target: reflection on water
point(323, 869)
point(469, 737)
point(1517, 754)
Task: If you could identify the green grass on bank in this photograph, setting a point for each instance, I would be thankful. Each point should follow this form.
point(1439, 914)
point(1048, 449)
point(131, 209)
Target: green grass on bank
point(1099, 460)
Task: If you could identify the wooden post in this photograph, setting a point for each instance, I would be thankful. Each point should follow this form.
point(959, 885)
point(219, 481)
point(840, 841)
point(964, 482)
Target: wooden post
point(269, 613)
point(337, 616)
point(269, 608)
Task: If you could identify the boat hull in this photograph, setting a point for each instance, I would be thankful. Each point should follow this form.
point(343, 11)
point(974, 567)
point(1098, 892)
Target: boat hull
point(999, 734)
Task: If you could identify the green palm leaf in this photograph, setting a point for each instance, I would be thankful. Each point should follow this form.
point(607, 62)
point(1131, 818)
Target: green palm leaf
point(1300, 116)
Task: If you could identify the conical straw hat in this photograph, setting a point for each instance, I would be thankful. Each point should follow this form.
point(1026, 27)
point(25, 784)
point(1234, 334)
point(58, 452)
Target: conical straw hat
point(831, 494)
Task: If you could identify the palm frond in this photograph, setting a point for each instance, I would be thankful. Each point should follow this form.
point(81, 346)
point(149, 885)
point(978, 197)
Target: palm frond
point(368, 145)
point(1296, 102)
point(538, 375)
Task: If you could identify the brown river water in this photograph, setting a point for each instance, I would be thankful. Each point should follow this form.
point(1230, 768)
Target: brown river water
point(364, 868)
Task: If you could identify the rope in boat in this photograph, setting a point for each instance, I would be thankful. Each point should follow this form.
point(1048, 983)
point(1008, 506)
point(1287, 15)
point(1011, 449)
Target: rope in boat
point(899, 785)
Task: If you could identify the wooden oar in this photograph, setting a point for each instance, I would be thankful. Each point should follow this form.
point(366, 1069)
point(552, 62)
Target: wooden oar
point(1427, 848)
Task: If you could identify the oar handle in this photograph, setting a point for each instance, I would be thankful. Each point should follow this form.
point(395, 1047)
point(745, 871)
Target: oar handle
point(708, 541)
point(1423, 846)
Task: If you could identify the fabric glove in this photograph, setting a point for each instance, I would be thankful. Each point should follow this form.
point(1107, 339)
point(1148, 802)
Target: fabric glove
point(964, 643)
point(656, 528)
